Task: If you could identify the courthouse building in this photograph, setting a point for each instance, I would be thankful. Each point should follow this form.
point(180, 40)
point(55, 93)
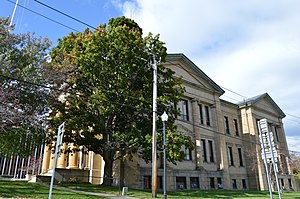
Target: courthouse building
point(227, 151)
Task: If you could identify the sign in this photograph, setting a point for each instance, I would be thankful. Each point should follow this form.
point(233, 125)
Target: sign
point(60, 136)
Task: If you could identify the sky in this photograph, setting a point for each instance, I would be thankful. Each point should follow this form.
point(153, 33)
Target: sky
point(248, 47)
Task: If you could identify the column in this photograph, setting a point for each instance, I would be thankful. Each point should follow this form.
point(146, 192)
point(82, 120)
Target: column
point(73, 157)
point(86, 160)
point(196, 122)
point(51, 159)
point(97, 170)
point(81, 157)
point(62, 159)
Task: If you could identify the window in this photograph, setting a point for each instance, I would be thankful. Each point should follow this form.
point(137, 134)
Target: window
point(220, 184)
point(240, 157)
point(234, 185)
point(226, 124)
point(282, 183)
point(183, 107)
point(244, 184)
point(276, 133)
point(147, 182)
point(194, 182)
point(230, 156)
point(187, 152)
point(203, 147)
point(180, 182)
point(236, 127)
point(211, 151)
point(201, 114)
point(290, 183)
point(159, 182)
point(207, 116)
point(212, 183)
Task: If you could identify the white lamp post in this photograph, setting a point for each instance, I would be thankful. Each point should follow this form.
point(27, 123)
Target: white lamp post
point(164, 118)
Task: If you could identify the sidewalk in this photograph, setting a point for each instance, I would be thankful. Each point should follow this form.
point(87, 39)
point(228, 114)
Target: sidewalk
point(93, 193)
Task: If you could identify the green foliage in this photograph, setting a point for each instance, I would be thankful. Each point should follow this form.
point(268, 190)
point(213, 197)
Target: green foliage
point(295, 163)
point(123, 21)
point(23, 105)
point(107, 105)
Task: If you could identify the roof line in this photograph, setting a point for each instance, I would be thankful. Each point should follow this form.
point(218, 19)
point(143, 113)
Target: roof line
point(194, 66)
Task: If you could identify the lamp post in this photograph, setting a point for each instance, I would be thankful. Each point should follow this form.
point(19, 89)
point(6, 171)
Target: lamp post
point(164, 118)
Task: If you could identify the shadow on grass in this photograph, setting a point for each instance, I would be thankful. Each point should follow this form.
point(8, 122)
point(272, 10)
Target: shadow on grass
point(18, 189)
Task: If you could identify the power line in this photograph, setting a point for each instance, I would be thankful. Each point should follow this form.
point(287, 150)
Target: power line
point(293, 116)
point(235, 92)
point(70, 92)
point(56, 10)
point(244, 97)
point(150, 110)
point(44, 16)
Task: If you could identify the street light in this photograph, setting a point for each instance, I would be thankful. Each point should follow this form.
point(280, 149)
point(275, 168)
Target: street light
point(164, 118)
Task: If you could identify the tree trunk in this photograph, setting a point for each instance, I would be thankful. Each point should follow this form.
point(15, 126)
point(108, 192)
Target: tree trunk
point(108, 157)
point(108, 167)
point(122, 168)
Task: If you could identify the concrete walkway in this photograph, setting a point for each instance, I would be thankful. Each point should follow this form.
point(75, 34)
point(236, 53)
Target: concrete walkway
point(93, 193)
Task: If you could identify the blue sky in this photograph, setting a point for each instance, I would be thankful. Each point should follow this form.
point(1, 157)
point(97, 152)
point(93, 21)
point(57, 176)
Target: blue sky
point(92, 12)
point(250, 47)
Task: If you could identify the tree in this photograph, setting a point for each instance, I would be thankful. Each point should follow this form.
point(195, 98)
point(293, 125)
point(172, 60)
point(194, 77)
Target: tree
point(295, 162)
point(107, 103)
point(23, 104)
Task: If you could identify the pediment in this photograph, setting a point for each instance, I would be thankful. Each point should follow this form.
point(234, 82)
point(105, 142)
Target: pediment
point(264, 102)
point(191, 73)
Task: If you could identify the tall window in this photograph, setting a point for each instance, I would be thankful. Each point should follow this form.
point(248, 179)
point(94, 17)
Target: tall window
point(244, 184)
point(212, 183)
point(220, 184)
point(234, 185)
point(240, 157)
point(147, 182)
point(276, 133)
point(282, 183)
point(211, 151)
point(187, 152)
point(290, 183)
point(226, 124)
point(194, 182)
point(230, 156)
point(236, 127)
point(184, 111)
point(207, 113)
point(201, 114)
point(203, 147)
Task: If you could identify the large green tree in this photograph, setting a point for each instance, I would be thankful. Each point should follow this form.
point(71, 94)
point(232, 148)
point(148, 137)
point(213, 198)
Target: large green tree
point(107, 100)
point(23, 103)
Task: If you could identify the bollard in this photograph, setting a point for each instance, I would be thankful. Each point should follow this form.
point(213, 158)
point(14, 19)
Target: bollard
point(125, 191)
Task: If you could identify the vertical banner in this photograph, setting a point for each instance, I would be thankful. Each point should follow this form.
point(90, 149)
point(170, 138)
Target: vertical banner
point(60, 136)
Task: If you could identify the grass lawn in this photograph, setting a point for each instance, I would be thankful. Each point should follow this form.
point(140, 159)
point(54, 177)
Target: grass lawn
point(19, 189)
point(35, 190)
point(228, 194)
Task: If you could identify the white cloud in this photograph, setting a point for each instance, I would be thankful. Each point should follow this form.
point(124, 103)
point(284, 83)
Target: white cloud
point(250, 47)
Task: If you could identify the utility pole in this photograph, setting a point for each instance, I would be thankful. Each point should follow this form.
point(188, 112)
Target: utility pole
point(154, 113)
